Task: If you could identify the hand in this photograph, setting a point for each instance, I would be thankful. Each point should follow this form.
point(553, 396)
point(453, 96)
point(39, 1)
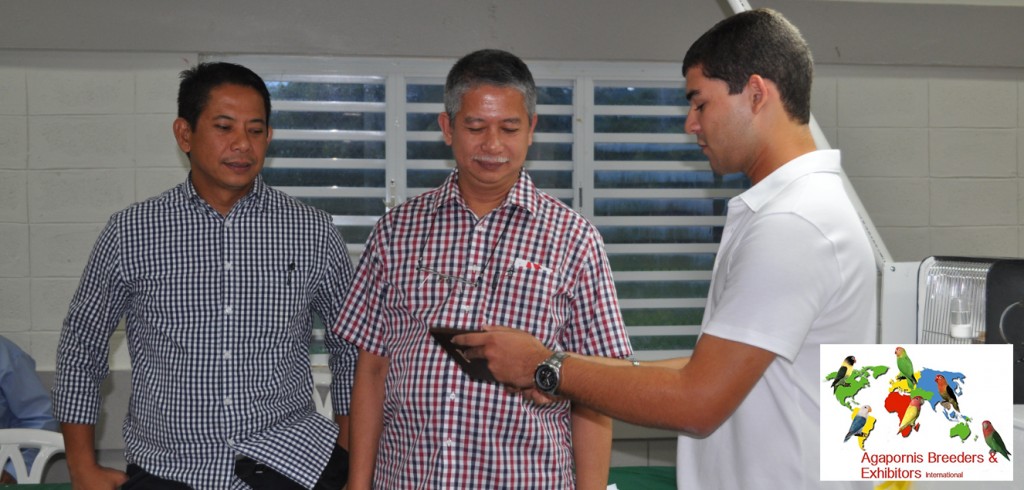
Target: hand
point(98, 477)
point(512, 355)
point(533, 394)
point(539, 397)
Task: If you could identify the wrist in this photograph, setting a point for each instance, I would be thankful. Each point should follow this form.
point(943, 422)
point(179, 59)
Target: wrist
point(547, 377)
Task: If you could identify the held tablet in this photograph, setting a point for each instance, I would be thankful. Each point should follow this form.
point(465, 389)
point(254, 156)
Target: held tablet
point(475, 368)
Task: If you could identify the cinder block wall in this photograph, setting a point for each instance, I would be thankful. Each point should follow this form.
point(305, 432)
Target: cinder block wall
point(936, 155)
point(82, 135)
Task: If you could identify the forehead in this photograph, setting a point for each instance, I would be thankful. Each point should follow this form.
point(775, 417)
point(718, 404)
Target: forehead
point(491, 99)
point(697, 82)
point(235, 99)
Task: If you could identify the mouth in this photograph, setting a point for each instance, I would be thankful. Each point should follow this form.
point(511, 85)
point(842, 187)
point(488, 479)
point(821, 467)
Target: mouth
point(488, 161)
point(238, 166)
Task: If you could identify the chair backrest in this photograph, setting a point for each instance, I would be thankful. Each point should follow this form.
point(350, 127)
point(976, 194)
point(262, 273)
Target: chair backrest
point(322, 382)
point(12, 441)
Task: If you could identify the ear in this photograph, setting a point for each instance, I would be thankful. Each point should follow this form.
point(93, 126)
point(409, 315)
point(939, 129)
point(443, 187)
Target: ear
point(183, 134)
point(533, 126)
point(446, 127)
point(760, 90)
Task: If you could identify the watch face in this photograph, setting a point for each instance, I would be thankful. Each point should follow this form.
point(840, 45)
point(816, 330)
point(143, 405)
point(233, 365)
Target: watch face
point(546, 378)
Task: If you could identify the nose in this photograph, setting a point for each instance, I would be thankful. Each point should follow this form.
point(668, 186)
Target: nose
point(240, 140)
point(691, 126)
point(492, 140)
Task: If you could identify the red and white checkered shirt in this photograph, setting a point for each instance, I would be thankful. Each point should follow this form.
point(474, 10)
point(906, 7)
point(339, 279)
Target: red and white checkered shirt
point(533, 263)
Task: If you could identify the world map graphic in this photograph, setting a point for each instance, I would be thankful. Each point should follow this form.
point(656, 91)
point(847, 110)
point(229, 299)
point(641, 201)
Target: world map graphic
point(899, 399)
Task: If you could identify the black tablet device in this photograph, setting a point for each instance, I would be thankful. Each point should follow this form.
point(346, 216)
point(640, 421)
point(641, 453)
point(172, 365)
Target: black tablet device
point(475, 368)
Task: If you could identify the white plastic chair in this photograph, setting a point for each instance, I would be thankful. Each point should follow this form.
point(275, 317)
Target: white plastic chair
point(12, 441)
point(322, 380)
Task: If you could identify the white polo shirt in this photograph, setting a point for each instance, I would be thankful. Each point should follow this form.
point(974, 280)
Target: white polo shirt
point(794, 270)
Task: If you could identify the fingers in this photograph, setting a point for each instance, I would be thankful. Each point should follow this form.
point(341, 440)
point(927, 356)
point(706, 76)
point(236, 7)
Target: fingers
point(500, 328)
point(538, 397)
point(471, 339)
point(475, 339)
point(474, 353)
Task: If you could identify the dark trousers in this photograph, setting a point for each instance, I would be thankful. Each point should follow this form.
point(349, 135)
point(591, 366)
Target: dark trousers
point(256, 475)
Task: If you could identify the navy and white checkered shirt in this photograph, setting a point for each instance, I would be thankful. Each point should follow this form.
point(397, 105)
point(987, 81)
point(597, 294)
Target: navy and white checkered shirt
point(533, 263)
point(219, 318)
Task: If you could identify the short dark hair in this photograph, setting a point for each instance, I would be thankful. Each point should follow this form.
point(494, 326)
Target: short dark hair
point(489, 67)
point(758, 42)
point(198, 81)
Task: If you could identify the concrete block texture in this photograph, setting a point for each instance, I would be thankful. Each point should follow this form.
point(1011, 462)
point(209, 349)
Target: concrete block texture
point(81, 142)
point(973, 152)
point(907, 244)
point(874, 152)
point(1020, 243)
point(14, 259)
point(79, 196)
point(13, 142)
point(50, 300)
point(15, 306)
point(975, 241)
point(897, 201)
point(54, 91)
point(13, 91)
point(152, 182)
point(882, 102)
point(824, 102)
point(972, 103)
point(13, 197)
point(156, 89)
point(974, 202)
point(155, 145)
point(61, 250)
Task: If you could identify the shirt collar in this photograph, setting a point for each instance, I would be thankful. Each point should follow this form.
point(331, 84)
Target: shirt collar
point(258, 197)
point(820, 161)
point(523, 193)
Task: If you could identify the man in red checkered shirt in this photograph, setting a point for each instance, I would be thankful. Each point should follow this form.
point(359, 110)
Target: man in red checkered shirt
point(486, 247)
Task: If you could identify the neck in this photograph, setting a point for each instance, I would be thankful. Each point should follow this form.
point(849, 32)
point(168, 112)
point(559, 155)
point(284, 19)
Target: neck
point(483, 200)
point(781, 149)
point(483, 205)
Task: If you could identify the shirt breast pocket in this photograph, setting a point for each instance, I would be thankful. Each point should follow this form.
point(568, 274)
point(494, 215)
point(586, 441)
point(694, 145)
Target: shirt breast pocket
point(529, 299)
point(283, 302)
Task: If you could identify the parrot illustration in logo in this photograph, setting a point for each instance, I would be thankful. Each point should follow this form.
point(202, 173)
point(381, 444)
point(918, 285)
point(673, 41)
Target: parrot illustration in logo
point(906, 366)
point(910, 416)
point(858, 422)
point(844, 372)
point(995, 443)
point(946, 392)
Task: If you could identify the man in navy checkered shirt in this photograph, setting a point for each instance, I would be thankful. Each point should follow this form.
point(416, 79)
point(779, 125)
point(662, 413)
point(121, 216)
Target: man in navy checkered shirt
point(218, 280)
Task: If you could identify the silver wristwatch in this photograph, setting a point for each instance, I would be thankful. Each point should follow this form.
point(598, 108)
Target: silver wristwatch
point(548, 374)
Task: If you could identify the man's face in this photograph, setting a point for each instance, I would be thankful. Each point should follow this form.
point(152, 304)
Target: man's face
point(720, 122)
point(489, 136)
point(229, 142)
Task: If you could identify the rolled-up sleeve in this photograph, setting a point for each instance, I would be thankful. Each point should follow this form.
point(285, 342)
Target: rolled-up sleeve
point(94, 313)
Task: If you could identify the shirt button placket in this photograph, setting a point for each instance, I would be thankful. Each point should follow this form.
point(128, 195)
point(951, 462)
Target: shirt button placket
point(227, 335)
point(449, 442)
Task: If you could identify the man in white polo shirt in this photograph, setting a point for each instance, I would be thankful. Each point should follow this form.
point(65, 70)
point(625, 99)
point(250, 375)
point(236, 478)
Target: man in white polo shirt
point(794, 270)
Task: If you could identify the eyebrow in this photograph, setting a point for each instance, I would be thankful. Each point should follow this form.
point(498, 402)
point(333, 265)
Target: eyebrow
point(512, 120)
point(257, 120)
point(692, 93)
